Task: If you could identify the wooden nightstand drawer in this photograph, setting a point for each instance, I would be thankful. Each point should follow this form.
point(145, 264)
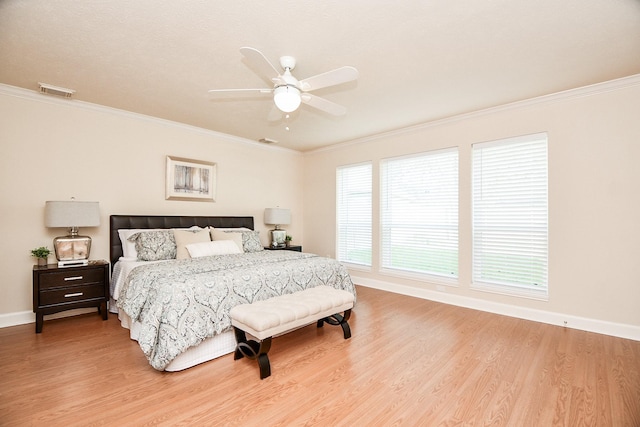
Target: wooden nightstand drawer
point(72, 294)
point(70, 278)
point(64, 288)
point(294, 248)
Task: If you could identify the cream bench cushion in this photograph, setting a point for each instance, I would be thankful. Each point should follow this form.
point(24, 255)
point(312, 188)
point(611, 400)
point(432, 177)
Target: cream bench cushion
point(263, 319)
point(274, 316)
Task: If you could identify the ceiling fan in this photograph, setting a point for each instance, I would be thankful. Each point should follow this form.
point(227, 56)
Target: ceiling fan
point(289, 92)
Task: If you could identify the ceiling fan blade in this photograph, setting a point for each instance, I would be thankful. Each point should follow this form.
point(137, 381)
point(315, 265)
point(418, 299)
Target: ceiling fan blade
point(260, 64)
point(323, 104)
point(330, 78)
point(217, 92)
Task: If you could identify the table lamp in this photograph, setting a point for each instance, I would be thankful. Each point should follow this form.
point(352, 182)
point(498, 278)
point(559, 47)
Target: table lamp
point(72, 249)
point(277, 217)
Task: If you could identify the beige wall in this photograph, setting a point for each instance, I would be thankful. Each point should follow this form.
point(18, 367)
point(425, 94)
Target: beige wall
point(119, 160)
point(54, 149)
point(594, 202)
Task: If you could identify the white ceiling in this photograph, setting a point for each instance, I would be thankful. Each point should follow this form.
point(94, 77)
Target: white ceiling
point(418, 60)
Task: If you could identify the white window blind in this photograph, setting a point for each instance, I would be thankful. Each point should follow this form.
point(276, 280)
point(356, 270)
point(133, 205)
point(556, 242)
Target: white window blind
point(510, 227)
point(354, 213)
point(419, 213)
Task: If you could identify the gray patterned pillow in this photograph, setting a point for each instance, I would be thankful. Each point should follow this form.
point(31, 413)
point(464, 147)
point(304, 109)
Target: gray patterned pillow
point(154, 245)
point(250, 240)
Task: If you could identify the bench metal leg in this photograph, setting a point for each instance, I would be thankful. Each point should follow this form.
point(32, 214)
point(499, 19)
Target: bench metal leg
point(265, 366)
point(337, 319)
point(254, 350)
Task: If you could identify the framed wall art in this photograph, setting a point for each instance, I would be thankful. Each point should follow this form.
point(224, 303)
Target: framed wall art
point(189, 179)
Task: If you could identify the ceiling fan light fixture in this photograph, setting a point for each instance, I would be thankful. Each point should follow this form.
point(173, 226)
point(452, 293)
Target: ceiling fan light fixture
point(287, 98)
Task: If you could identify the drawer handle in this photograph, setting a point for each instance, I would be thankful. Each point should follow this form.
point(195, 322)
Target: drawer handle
point(77, 294)
point(73, 278)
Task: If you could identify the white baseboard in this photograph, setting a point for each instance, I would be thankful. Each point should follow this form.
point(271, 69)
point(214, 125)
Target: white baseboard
point(620, 330)
point(559, 319)
point(24, 317)
point(17, 318)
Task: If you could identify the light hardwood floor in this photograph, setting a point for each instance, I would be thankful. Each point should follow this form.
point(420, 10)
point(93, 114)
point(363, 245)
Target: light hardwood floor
point(410, 362)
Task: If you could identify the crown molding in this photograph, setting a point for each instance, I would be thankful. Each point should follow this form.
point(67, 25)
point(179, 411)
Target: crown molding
point(31, 95)
point(584, 91)
point(581, 92)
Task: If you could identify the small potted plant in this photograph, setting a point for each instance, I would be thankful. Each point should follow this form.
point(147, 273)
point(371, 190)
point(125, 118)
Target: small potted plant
point(287, 240)
point(42, 253)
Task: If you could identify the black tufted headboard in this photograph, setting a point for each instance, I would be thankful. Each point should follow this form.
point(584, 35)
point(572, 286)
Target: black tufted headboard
point(117, 222)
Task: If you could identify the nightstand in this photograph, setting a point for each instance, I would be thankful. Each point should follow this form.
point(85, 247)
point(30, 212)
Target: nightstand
point(285, 248)
point(58, 289)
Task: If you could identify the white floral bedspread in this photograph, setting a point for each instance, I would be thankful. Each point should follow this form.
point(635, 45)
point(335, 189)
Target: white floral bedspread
point(179, 303)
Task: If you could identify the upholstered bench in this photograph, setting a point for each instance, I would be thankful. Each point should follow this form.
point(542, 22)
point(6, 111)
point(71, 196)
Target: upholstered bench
point(277, 315)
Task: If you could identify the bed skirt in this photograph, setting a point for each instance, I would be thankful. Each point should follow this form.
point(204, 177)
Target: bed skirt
point(209, 349)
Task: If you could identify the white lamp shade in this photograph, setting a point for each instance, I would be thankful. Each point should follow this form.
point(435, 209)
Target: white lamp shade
point(71, 213)
point(287, 98)
point(277, 216)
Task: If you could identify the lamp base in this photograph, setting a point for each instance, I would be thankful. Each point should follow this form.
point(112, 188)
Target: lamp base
point(277, 238)
point(72, 250)
point(74, 263)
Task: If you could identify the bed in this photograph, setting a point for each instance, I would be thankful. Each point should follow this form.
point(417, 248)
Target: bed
point(177, 306)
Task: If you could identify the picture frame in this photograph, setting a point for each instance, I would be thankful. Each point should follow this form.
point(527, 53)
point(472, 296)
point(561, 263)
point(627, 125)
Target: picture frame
point(189, 179)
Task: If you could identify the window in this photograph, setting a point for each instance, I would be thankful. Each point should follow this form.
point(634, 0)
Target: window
point(419, 213)
point(510, 228)
point(354, 213)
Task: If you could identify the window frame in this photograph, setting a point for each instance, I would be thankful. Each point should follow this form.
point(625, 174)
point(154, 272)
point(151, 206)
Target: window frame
point(360, 239)
point(386, 247)
point(513, 228)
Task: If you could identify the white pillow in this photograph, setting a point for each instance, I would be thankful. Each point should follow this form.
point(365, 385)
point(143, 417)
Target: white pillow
point(220, 247)
point(185, 237)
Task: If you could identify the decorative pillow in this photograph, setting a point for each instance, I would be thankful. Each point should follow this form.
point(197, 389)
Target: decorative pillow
point(129, 247)
point(250, 240)
point(185, 237)
point(154, 245)
point(222, 235)
point(220, 247)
